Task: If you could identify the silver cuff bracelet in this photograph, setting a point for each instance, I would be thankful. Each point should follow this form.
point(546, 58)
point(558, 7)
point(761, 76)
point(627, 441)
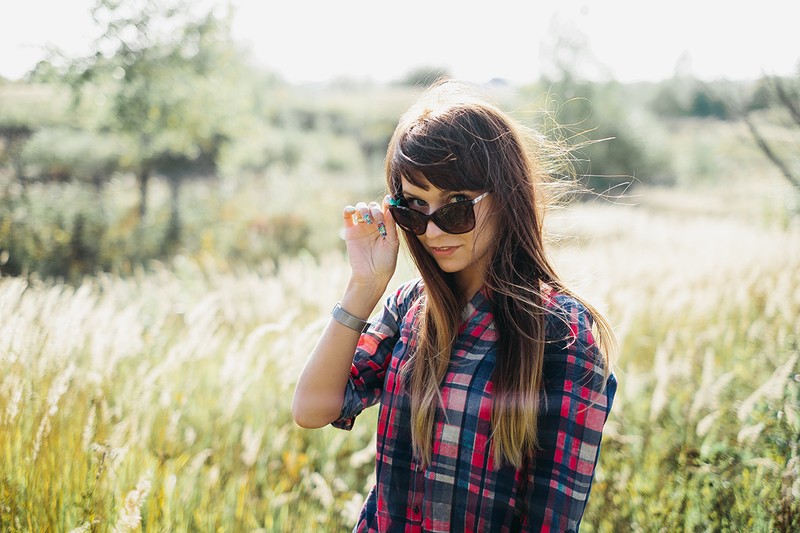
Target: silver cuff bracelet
point(346, 319)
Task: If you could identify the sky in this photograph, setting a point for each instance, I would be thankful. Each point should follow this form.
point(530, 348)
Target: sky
point(319, 40)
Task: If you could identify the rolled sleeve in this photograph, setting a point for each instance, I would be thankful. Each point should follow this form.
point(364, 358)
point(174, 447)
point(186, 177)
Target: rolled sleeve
point(372, 356)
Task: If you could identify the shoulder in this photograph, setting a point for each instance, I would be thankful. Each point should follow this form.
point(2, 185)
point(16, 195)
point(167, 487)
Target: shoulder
point(568, 326)
point(396, 311)
point(406, 296)
point(571, 353)
point(410, 290)
point(564, 308)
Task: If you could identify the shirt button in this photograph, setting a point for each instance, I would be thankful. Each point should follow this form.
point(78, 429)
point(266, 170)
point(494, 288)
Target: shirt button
point(416, 509)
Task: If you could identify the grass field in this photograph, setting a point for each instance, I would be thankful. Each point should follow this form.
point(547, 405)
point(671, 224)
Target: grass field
point(161, 401)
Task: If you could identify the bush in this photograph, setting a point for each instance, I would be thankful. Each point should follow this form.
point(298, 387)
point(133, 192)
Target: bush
point(61, 154)
point(68, 230)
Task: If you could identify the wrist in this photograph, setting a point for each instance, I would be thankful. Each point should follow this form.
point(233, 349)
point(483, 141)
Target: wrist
point(360, 299)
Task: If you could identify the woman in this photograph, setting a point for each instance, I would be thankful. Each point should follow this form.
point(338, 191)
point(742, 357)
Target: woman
point(493, 390)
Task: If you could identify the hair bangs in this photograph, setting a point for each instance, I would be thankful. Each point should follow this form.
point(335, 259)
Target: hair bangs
point(433, 152)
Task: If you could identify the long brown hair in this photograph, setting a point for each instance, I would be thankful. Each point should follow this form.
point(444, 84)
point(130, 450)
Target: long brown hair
point(458, 141)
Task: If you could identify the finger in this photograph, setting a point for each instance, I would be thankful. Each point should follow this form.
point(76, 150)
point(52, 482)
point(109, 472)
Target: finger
point(347, 214)
point(391, 227)
point(386, 203)
point(375, 212)
point(388, 220)
point(364, 213)
point(377, 218)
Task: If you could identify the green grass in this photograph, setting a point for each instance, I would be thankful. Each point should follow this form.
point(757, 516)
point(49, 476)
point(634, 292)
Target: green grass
point(160, 401)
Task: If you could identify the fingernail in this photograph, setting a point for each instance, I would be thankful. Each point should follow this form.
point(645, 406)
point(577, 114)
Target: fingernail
point(350, 209)
point(367, 218)
point(382, 229)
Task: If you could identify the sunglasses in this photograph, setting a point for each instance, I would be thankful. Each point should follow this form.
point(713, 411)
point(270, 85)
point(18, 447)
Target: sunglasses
point(457, 217)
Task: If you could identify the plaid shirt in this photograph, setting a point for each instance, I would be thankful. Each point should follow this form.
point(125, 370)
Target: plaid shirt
point(463, 489)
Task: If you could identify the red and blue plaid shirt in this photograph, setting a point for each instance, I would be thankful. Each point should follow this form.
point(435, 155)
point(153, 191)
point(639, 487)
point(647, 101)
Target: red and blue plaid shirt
point(463, 489)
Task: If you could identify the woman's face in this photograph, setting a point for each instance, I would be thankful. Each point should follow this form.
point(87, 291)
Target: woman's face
point(465, 255)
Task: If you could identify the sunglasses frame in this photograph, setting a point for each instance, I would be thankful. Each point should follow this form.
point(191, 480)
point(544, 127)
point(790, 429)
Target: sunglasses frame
point(395, 205)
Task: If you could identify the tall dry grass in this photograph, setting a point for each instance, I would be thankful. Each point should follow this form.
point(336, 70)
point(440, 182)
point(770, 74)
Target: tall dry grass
point(161, 401)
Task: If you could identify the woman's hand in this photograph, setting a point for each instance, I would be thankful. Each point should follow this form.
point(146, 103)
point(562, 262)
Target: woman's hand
point(372, 244)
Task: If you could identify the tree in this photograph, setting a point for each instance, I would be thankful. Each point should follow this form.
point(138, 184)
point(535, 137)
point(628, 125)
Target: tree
point(12, 141)
point(785, 97)
point(167, 69)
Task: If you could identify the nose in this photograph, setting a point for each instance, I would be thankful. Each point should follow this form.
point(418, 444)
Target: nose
point(433, 230)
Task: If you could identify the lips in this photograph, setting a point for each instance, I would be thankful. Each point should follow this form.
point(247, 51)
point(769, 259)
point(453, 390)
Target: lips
point(443, 251)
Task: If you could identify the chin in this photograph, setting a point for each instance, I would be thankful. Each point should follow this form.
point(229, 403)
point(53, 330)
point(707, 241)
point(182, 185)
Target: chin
point(450, 267)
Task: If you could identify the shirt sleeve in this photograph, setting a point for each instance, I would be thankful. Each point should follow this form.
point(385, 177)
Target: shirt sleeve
point(577, 400)
point(373, 354)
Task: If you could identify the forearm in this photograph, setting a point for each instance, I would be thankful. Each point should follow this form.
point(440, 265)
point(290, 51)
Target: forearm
point(319, 394)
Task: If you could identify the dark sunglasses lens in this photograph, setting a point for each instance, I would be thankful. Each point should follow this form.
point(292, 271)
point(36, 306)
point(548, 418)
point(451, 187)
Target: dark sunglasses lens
point(455, 218)
point(409, 220)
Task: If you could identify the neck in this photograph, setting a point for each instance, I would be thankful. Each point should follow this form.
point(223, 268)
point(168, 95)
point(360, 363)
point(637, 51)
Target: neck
point(468, 283)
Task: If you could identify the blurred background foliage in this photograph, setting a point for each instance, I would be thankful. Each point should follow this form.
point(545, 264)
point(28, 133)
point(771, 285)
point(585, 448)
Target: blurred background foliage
point(167, 140)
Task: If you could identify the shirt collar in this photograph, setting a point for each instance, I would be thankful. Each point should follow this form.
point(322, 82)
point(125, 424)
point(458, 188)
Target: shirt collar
point(479, 304)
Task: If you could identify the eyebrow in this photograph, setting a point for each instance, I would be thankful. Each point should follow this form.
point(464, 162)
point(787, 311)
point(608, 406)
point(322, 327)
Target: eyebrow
point(444, 192)
point(403, 187)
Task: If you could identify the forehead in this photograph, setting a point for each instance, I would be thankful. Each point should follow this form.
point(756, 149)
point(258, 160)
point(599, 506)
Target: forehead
point(420, 183)
point(420, 186)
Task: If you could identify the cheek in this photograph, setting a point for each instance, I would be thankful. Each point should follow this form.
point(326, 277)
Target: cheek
point(484, 237)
